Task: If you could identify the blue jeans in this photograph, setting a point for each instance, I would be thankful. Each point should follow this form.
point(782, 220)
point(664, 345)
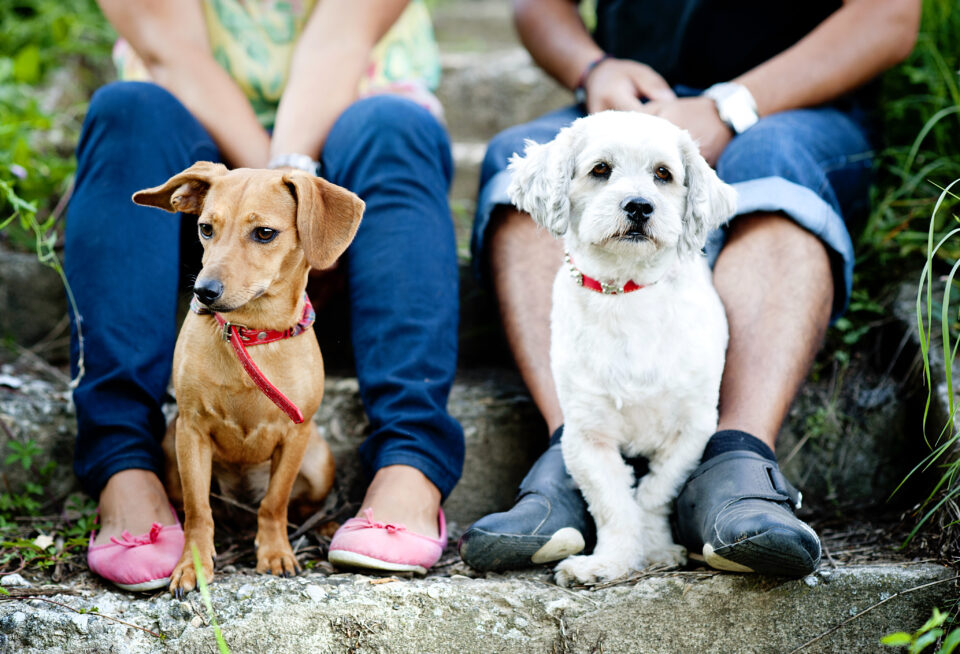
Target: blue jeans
point(126, 265)
point(812, 165)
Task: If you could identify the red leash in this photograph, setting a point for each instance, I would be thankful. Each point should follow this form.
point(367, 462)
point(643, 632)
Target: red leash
point(240, 336)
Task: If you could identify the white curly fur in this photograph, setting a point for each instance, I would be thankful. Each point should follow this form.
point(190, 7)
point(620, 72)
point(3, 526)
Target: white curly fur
point(638, 373)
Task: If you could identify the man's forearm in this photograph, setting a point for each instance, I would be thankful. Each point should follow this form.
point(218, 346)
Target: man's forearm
point(328, 63)
point(556, 37)
point(856, 43)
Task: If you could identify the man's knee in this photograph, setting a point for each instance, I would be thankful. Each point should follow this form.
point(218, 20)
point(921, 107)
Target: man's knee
point(775, 232)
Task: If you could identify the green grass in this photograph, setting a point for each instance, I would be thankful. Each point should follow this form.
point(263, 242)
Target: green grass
point(927, 636)
point(920, 132)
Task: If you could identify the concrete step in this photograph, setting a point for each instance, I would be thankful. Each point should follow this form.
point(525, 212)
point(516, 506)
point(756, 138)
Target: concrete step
point(473, 26)
point(523, 612)
point(485, 94)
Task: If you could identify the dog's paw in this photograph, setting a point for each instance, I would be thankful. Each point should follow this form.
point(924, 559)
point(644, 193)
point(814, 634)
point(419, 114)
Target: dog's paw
point(183, 579)
point(669, 555)
point(589, 569)
point(277, 559)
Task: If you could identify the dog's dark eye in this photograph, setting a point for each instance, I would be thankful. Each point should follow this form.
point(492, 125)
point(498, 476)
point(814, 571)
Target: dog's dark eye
point(601, 170)
point(206, 230)
point(663, 174)
point(264, 234)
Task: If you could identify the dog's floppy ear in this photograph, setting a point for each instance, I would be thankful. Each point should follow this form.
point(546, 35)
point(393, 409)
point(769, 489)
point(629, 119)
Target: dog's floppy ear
point(184, 191)
point(327, 217)
point(710, 202)
point(541, 181)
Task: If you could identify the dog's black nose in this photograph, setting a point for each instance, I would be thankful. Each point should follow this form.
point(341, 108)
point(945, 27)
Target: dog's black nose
point(208, 290)
point(638, 209)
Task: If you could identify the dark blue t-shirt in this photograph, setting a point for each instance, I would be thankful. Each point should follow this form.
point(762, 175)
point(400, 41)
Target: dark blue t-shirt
point(697, 43)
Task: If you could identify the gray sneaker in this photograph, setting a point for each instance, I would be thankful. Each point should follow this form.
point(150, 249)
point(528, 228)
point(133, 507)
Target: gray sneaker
point(549, 521)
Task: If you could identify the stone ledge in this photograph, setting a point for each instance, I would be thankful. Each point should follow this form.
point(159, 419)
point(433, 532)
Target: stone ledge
point(519, 612)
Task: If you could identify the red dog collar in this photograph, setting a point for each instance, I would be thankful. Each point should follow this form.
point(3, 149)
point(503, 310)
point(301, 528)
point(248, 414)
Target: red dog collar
point(598, 286)
point(240, 336)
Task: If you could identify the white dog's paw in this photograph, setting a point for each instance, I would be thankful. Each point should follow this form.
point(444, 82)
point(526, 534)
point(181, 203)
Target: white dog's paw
point(588, 569)
point(669, 555)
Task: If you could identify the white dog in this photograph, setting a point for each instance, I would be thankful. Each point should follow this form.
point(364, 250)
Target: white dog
point(638, 331)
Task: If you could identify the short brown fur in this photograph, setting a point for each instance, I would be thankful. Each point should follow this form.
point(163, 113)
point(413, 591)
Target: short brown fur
point(225, 423)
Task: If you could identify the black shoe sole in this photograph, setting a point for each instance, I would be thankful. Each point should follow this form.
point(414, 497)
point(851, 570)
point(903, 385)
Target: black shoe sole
point(774, 552)
point(486, 551)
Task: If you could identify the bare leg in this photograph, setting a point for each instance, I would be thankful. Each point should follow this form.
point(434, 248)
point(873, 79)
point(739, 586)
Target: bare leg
point(775, 282)
point(524, 260)
point(132, 500)
point(403, 495)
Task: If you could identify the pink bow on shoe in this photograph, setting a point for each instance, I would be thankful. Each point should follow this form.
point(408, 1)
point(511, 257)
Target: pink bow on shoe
point(127, 540)
point(139, 562)
point(365, 543)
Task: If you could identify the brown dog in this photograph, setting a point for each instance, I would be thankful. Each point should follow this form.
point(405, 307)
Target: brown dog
point(262, 231)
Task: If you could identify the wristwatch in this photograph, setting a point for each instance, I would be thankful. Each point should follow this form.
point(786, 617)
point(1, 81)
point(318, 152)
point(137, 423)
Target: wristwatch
point(735, 105)
point(296, 160)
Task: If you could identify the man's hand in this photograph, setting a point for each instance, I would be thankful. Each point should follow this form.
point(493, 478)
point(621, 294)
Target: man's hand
point(622, 85)
point(699, 117)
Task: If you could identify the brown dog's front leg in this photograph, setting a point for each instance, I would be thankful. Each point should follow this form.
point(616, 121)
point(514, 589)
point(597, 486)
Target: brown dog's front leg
point(274, 553)
point(195, 460)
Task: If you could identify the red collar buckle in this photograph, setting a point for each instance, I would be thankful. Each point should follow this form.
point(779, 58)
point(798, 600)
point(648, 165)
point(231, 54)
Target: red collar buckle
point(605, 288)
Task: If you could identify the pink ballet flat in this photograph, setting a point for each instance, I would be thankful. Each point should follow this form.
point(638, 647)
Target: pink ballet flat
point(139, 562)
point(364, 543)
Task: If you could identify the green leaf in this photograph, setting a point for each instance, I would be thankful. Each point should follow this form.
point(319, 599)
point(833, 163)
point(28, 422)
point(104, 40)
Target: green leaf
point(26, 65)
point(898, 639)
point(950, 643)
point(4, 591)
point(935, 620)
point(926, 640)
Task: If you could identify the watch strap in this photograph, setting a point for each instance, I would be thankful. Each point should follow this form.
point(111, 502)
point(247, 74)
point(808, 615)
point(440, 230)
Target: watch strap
point(580, 92)
point(296, 160)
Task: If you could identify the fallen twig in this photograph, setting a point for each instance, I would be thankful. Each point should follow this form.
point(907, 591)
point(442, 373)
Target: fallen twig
point(39, 362)
point(570, 592)
point(30, 593)
point(320, 517)
point(241, 506)
point(6, 429)
point(870, 608)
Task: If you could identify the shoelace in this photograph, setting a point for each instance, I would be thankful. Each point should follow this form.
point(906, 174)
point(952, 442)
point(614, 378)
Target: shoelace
point(128, 540)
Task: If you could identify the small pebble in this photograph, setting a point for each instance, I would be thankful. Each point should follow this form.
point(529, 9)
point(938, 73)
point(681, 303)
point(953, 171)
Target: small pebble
point(246, 591)
point(811, 581)
point(196, 622)
point(315, 592)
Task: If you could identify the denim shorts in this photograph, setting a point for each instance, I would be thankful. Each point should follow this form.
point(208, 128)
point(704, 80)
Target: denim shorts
point(812, 165)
